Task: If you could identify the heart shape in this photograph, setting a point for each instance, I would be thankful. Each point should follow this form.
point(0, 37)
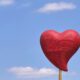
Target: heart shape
point(59, 47)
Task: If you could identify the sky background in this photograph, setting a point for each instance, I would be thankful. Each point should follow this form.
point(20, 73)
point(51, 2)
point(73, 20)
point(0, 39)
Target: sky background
point(21, 24)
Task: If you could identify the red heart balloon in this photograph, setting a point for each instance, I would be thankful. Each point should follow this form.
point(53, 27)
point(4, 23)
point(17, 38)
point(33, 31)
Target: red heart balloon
point(59, 47)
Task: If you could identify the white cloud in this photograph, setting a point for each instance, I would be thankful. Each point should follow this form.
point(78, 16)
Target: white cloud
point(52, 7)
point(6, 2)
point(29, 72)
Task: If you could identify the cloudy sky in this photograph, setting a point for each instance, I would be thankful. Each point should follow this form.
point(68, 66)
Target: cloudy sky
point(21, 24)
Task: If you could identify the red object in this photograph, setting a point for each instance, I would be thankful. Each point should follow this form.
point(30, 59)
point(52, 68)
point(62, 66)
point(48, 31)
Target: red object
point(59, 47)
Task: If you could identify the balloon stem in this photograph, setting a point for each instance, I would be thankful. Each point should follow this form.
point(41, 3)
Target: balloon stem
point(60, 75)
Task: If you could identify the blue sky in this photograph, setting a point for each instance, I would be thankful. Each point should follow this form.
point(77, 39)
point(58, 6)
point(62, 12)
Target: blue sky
point(21, 24)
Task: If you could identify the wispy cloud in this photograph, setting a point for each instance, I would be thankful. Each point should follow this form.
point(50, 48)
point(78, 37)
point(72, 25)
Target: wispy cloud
point(24, 5)
point(29, 72)
point(6, 2)
point(72, 73)
point(53, 7)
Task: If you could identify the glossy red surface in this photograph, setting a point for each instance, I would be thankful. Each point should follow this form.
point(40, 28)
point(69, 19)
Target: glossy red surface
point(59, 47)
